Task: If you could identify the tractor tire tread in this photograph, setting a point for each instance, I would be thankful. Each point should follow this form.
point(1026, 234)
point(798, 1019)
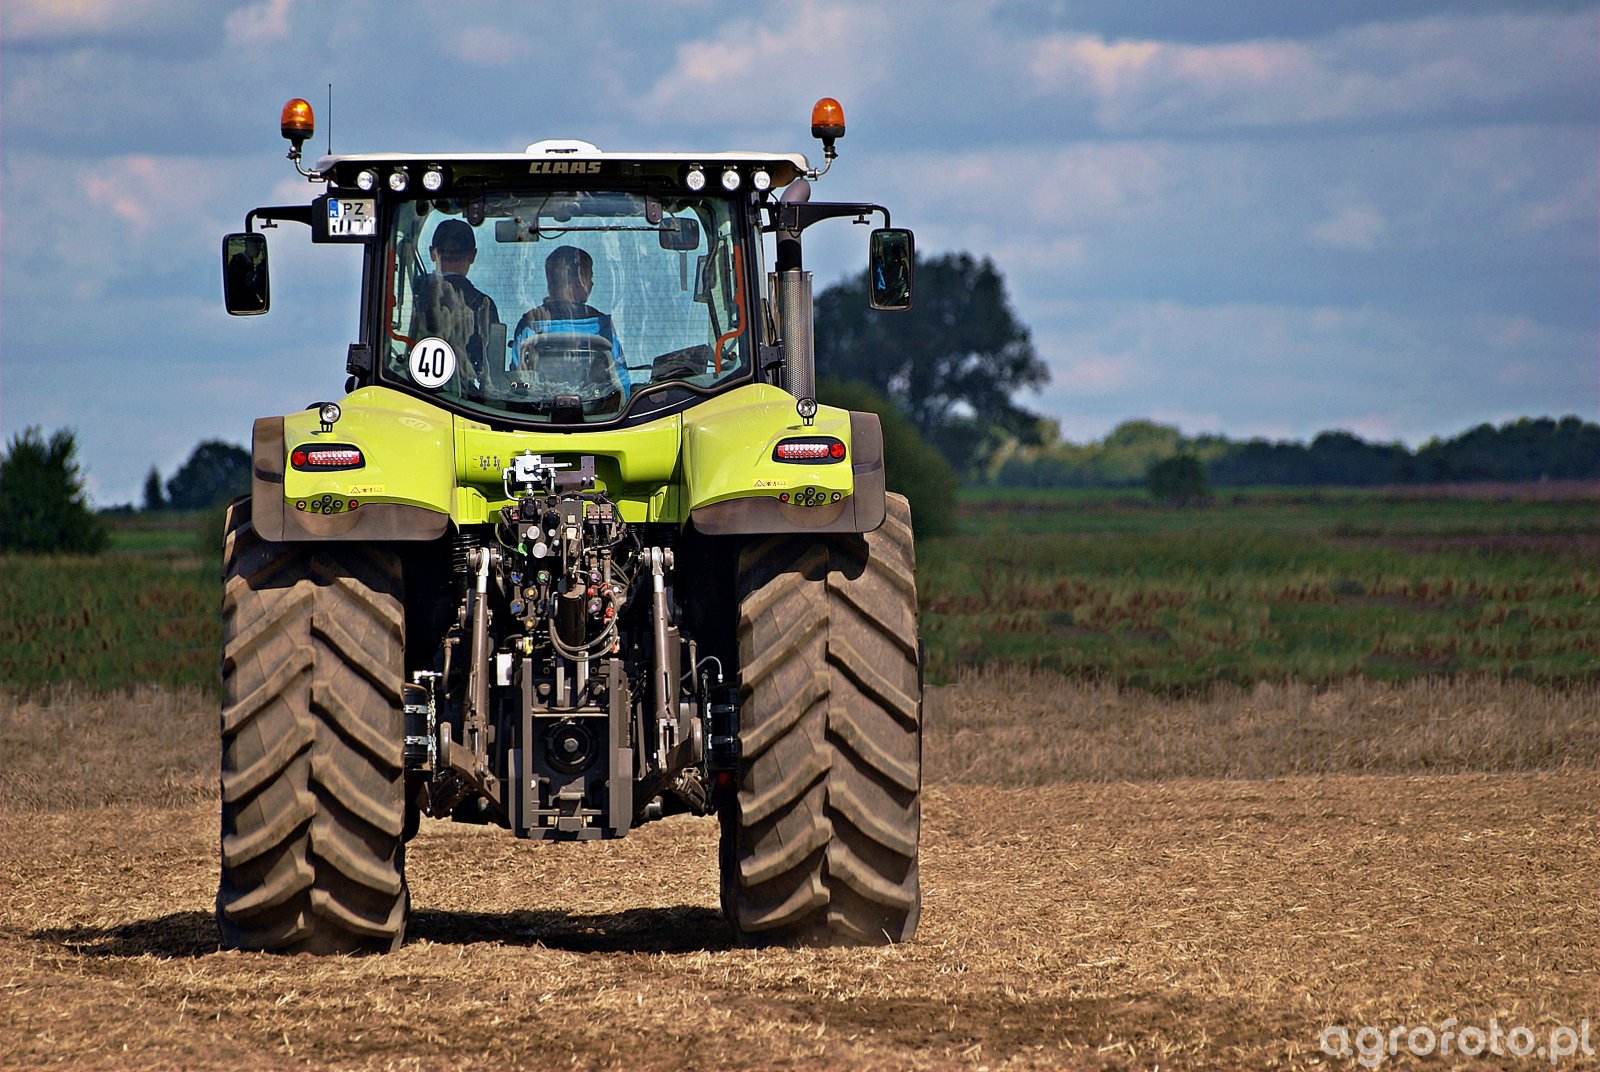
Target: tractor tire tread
point(312, 764)
point(820, 845)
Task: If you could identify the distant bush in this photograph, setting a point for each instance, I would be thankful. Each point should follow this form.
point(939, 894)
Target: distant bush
point(1180, 479)
point(215, 473)
point(911, 466)
point(42, 505)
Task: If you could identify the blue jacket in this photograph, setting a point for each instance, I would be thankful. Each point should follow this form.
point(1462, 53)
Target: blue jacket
point(572, 318)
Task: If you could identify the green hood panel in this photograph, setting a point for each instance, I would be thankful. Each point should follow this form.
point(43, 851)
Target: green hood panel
point(419, 456)
point(637, 467)
point(728, 443)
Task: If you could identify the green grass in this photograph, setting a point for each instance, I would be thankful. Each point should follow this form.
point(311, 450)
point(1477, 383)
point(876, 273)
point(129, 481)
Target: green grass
point(1272, 585)
point(185, 533)
point(1268, 586)
point(144, 612)
point(106, 621)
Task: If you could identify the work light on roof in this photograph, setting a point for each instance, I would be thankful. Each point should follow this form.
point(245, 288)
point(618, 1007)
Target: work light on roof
point(433, 179)
point(730, 180)
point(399, 180)
point(695, 180)
point(366, 180)
point(761, 179)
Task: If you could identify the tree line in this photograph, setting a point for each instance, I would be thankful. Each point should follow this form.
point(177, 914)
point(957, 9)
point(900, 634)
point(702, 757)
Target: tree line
point(1538, 448)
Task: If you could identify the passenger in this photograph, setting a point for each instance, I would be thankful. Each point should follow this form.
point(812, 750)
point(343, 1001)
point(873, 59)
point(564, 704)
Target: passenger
point(569, 273)
point(453, 309)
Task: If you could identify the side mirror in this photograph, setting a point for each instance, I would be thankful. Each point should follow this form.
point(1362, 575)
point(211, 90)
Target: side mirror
point(245, 287)
point(681, 233)
point(893, 269)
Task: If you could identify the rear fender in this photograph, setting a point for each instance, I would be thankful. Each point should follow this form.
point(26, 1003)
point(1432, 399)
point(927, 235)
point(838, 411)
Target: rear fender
point(402, 490)
point(735, 484)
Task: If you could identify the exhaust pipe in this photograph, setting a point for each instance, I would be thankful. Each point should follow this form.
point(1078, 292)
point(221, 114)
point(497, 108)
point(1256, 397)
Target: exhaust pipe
point(799, 344)
point(792, 293)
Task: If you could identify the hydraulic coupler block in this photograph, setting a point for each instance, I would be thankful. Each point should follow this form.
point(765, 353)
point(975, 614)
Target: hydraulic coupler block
point(722, 711)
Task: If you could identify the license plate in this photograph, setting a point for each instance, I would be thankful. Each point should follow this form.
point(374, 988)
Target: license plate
point(351, 217)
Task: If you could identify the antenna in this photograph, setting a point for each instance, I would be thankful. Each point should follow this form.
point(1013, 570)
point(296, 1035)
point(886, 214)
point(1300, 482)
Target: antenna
point(330, 118)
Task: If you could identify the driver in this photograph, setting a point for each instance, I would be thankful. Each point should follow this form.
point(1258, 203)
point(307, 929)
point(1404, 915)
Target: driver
point(569, 273)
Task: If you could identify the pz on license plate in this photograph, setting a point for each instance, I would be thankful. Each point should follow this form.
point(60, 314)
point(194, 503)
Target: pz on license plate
point(351, 217)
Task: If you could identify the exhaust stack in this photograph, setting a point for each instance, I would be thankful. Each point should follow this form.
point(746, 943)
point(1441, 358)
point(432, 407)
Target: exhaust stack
point(792, 289)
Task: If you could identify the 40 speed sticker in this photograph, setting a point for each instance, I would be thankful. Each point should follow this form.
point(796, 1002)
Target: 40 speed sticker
point(433, 362)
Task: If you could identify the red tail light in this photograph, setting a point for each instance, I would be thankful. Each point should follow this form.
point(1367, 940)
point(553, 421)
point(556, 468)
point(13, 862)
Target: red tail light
point(813, 450)
point(325, 458)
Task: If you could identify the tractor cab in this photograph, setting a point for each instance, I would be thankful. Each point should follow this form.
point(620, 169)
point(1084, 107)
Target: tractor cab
point(565, 285)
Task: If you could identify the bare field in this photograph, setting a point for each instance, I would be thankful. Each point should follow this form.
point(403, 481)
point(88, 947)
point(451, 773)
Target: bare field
point(1501, 491)
point(1197, 922)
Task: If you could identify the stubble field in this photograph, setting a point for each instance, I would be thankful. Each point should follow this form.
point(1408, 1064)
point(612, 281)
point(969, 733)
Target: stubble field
point(1201, 785)
point(1078, 913)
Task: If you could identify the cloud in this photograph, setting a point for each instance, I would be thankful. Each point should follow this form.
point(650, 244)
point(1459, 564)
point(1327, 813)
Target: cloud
point(35, 19)
point(44, 27)
point(259, 23)
point(103, 223)
point(132, 190)
point(743, 74)
point(485, 46)
point(1513, 63)
point(1359, 227)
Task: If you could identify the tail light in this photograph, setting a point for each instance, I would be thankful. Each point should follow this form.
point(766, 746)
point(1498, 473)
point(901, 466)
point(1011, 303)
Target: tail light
point(322, 459)
point(812, 450)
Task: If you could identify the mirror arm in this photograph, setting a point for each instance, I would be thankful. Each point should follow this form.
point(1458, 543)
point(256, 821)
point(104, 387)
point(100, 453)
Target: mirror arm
point(796, 216)
point(270, 215)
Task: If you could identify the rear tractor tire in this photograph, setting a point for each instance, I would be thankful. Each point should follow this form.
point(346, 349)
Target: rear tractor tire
point(312, 746)
point(820, 846)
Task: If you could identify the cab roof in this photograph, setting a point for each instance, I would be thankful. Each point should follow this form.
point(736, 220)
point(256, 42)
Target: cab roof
point(546, 158)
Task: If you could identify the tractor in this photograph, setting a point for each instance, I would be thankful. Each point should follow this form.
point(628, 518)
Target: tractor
point(577, 549)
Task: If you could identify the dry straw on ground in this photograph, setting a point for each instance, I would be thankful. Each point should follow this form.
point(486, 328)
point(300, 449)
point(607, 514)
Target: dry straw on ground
point(1187, 923)
point(1004, 726)
point(72, 747)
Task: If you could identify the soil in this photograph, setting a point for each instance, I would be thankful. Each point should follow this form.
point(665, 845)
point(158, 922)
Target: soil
point(1188, 924)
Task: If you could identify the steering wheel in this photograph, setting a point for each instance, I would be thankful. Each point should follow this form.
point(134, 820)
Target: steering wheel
point(571, 363)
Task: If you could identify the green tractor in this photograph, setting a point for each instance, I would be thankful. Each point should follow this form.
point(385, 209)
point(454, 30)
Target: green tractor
point(569, 567)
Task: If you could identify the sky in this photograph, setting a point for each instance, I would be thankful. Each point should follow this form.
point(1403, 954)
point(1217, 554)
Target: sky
point(1247, 217)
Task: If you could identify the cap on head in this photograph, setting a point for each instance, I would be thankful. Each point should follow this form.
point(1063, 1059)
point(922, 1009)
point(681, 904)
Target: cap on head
point(454, 236)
